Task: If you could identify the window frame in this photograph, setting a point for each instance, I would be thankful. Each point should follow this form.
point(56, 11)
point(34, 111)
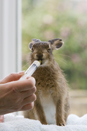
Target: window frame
point(10, 37)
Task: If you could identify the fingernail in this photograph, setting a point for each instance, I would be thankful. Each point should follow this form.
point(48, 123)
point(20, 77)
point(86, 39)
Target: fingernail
point(32, 79)
point(32, 104)
point(28, 77)
point(35, 97)
point(21, 73)
point(35, 88)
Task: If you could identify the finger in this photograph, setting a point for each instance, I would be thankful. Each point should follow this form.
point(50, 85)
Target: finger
point(29, 99)
point(22, 85)
point(12, 77)
point(28, 107)
point(1, 118)
point(25, 94)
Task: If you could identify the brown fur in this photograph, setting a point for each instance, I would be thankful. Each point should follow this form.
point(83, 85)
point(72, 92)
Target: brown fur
point(50, 82)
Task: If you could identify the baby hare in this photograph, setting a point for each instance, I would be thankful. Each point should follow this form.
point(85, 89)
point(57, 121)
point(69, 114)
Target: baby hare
point(52, 103)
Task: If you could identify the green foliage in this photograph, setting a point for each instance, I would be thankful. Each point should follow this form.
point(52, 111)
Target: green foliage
point(49, 19)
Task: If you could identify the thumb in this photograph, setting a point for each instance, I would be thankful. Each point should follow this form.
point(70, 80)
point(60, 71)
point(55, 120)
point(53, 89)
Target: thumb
point(12, 77)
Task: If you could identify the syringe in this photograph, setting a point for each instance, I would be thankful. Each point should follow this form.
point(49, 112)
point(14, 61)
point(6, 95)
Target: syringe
point(31, 69)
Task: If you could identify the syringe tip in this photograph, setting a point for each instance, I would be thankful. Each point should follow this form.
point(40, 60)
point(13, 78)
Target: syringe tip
point(40, 61)
point(37, 63)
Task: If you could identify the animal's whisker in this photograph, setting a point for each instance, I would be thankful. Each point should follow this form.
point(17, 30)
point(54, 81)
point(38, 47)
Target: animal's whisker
point(25, 65)
point(64, 55)
point(61, 60)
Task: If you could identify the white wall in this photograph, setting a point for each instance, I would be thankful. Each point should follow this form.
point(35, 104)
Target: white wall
point(10, 37)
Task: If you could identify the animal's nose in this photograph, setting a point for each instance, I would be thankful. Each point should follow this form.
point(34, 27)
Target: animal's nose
point(39, 56)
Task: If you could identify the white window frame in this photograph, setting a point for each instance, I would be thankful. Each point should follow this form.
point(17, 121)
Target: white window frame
point(10, 37)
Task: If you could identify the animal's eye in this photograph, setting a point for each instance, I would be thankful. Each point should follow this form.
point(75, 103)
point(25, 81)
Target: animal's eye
point(48, 50)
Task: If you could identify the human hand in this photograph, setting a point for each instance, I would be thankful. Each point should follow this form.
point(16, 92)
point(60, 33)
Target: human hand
point(1, 118)
point(16, 95)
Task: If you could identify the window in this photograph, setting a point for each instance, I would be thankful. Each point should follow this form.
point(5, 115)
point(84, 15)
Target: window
point(10, 37)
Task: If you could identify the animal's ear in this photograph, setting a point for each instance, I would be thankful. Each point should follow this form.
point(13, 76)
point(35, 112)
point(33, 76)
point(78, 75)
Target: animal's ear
point(56, 43)
point(33, 42)
point(31, 45)
point(36, 40)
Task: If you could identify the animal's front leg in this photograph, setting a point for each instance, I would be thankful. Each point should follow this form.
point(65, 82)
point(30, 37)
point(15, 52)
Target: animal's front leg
point(40, 111)
point(59, 103)
point(29, 114)
point(60, 113)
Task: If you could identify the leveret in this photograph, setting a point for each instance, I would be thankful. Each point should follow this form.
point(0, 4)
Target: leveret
point(52, 103)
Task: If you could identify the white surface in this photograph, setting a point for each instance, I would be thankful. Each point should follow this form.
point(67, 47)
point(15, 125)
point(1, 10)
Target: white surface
point(18, 123)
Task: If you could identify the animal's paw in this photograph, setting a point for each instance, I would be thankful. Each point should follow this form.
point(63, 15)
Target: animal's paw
point(61, 123)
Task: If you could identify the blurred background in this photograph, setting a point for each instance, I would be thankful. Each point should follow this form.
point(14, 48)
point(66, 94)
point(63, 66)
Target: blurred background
point(48, 19)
